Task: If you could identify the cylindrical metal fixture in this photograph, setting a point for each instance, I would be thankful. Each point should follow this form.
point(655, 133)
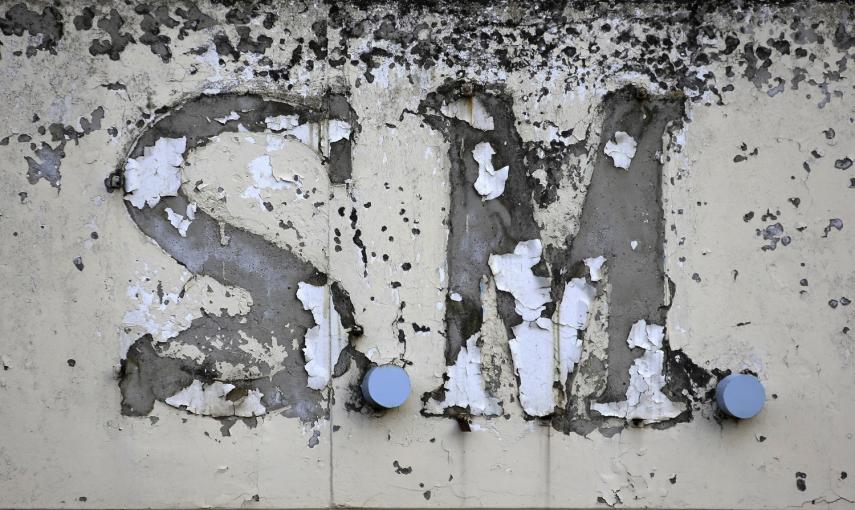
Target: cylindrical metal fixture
point(740, 395)
point(386, 386)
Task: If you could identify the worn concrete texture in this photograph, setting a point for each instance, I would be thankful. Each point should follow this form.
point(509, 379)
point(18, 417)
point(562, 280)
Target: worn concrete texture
point(566, 221)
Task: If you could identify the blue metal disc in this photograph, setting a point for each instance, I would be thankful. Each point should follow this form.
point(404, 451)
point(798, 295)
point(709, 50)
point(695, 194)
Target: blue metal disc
point(386, 386)
point(740, 395)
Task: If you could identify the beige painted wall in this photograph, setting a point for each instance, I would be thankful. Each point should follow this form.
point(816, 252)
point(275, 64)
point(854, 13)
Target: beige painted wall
point(65, 326)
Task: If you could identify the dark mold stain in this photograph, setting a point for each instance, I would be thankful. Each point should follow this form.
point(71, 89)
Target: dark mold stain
point(833, 223)
point(118, 41)
point(47, 24)
point(47, 165)
point(401, 470)
point(152, 20)
point(83, 21)
point(49, 161)
point(800, 481)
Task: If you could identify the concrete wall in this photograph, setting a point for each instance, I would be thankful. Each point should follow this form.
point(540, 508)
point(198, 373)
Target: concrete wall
point(216, 218)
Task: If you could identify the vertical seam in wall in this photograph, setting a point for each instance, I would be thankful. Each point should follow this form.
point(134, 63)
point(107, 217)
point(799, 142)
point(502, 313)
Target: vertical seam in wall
point(331, 499)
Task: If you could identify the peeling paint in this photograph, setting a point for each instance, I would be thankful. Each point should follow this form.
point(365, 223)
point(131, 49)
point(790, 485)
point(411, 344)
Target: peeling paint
point(325, 341)
point(369, 125)
point(533, 351)
point(491, 182)
point(622, 150)
point(213, 400)
point(513, 274)
point(595, 267)
point(156, 174)
point(572, 317)
point(644, 398)
point(465, 387)
point(471, 111)
point(339, 130)
point(180, 222)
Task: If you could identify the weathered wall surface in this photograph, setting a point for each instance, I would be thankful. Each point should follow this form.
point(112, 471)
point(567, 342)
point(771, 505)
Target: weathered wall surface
point(215, 218)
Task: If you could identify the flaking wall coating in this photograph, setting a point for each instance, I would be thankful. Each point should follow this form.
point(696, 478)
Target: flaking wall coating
point(246, 261)
point(623, 221)
point(729, 229)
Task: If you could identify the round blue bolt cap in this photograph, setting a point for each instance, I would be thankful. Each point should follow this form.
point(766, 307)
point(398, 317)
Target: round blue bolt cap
point(740, 395)
point(386, 386)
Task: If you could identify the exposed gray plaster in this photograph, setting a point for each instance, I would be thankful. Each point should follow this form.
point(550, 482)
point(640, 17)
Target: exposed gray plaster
point(247, 261)
point(623, 206)
point(479, 228)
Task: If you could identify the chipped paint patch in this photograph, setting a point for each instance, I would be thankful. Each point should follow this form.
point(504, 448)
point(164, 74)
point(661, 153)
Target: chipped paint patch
point(180, 222)
point(533, 352)
point(282, 122)
point(595, 267)
point(622, 150)
point(339, 130)
point(230, 116)
point(470, 110)
point(644, 398)
point(513, 273)
point(218, 178)
point(491, 182)
point(324, 341)
point(213, 400)
point(156, 174)
point(264, 178)
point(572, 317)
point(163, 314)
point(464, 386)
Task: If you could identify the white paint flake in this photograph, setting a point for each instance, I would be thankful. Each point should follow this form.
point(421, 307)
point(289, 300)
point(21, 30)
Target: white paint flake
point(339, 130)
point(644, 398)
point(595, 267)
point(250, 405)
point(163, 313)
point(156, 174)
point(212, 58)
point(456, 297)
point(577, 299)
point(306, 133)
point(470, 110)
point(572, 317)
point(622, 150)
point(541, 354)
point(264, 177)
point(282, 122)
point(324, 341)
point(180, 222)
point(210, 400)
point(160, 326)
point(491, 182)
point(513, 274)
point(465, 386)
point(533, 354)
point(554, 134)
point(262, 173)
point(633, 244)
point(231, 116)
point(274, 143)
